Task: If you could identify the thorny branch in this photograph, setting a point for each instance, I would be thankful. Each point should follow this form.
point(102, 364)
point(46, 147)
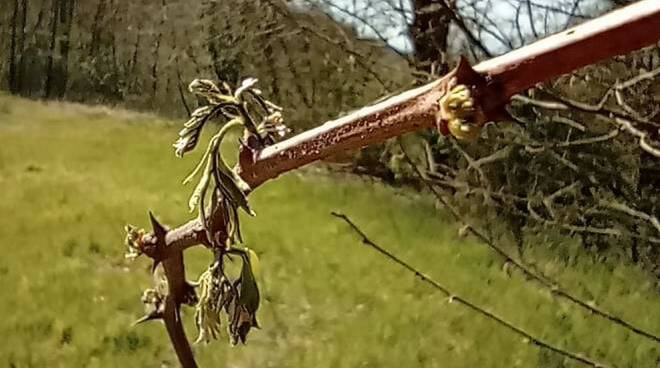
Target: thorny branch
point(485, 89)
point(222, 296)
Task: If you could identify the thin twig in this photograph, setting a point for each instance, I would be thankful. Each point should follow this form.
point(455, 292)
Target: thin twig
point(551, 285)
point(632, 81)
point(624, 122)
point(622, 207)
point(453, 297)
point(460, 24)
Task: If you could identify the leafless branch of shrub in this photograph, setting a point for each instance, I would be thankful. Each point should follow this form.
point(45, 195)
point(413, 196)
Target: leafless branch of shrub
point(454, 297)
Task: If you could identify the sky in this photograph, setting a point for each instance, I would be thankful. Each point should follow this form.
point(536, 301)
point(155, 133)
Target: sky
point(386, 20)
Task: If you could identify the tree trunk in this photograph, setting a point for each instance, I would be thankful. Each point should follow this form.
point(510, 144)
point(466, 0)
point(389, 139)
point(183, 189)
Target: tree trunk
point(50, 64)
point(96, 29)
point(17, 46)
point(11, 76)
point(36, 58)
point(156, 51)
point(429, 32)
point(20, 46)
point(66, 17)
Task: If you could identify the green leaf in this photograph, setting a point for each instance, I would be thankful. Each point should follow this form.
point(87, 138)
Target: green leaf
point(249, 296)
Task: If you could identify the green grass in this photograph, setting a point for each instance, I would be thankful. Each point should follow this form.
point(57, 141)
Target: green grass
point(71, 177)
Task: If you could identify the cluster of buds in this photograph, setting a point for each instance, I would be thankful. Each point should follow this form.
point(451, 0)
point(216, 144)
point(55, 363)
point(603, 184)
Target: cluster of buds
point(134, 242)
point(458, 114)
point(154, 305)
point(237, 299)
point(215, 293)
point(262, 124)
point(260, 118)
point(272, 127)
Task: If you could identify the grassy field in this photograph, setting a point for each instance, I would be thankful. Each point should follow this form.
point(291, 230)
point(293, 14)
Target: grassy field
point(71, 177)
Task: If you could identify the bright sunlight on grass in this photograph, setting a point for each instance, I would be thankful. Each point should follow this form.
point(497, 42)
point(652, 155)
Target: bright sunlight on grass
point(71, 177)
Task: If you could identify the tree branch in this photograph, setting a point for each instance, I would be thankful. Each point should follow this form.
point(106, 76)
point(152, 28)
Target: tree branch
point(619, 32)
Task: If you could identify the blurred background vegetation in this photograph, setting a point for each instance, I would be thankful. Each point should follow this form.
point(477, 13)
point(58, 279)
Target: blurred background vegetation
point(574, 167)
point(72, 176)
point(576, 173)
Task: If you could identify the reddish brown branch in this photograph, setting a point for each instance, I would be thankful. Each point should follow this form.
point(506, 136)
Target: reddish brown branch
point(616, 33)
point(407, 112)
point(174, 326)
point(167, 246)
